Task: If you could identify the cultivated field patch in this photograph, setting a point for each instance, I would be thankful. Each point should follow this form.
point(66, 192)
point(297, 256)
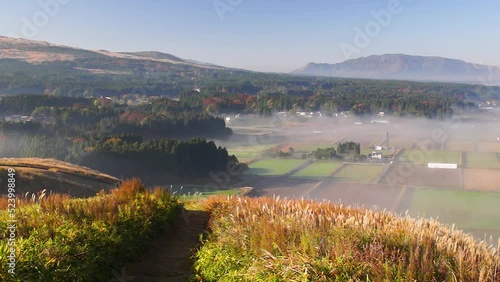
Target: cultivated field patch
point(482, 160)
point(460, 145)
point(358, 173)
point(273, 166)
point(423, 177)
point(376, 196)
point(405, 143)
point(247, 153)
point(423, 157)
point(318, 170)
point(288, 187)
point(466, 209)
point(490, 147)
point(482, 179)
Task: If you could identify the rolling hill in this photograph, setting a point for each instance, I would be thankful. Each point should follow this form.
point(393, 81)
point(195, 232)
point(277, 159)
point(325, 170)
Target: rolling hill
point(39, 52)
point(407, 67)
point(38, 67)
point(34, 174)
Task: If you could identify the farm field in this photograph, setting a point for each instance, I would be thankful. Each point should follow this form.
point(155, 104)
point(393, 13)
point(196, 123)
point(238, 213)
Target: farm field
point(491, 147)
point(419, 157)
point(417, 188)
point(460, 145)
point(248, 153)
point(466, 209)
point(289, 187)
point(318, 170)
point(273, 166)
point(358, 173)
point(405, 143)
point(482, 179)
point(366, 195)
point(482, 160)
point(423, 177)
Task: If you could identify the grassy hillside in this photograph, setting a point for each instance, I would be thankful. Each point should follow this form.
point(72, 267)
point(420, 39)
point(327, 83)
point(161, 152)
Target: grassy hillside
point(267, 239)
point(63, 239)
point(34, 174)
point(59, 238)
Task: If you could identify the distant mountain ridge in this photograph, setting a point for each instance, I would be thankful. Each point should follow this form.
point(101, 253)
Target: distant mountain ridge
point(155, 55)
point(37, 52)
point(38, 67)
point(407, 67)
point(45, 68)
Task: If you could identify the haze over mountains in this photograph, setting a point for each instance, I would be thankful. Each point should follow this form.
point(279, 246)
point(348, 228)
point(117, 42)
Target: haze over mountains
point(407, 67)
point(18, 54)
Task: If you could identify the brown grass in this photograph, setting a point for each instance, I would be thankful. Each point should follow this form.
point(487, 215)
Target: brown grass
point(34, 174)
point(293, 240)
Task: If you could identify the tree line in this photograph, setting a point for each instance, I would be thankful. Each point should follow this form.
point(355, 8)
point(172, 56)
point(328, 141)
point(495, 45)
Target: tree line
point(343, 149)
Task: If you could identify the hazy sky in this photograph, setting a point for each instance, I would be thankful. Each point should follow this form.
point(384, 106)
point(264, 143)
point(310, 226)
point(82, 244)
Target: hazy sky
point(264, 35)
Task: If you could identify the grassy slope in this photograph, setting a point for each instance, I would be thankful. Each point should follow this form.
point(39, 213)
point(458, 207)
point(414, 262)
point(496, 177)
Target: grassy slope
point(266, 239)
point(34, 174)
point(64, 239)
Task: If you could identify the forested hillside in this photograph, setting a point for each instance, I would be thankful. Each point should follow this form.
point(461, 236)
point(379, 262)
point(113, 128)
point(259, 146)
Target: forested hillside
point(117, 139)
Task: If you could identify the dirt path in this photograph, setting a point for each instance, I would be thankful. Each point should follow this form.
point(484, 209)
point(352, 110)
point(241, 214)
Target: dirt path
point(169, 258)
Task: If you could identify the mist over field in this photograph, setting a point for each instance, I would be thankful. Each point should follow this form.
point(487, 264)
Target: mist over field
point(402, 181)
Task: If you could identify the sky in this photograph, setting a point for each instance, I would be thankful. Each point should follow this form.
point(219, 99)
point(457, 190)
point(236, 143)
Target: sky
point(264, 35)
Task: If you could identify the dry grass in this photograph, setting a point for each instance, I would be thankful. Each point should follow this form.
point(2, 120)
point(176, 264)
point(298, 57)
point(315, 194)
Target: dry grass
point(34, 174)
point(59, 238)
point(268, 239)
point(53, 164)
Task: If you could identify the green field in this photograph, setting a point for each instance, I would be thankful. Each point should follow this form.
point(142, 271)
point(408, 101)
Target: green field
point(273, 166)
point(405, 143)
point(482, 160)
point(247, 153)
point(467, 210)
point(319, 169)
point(359, 173)
point(422, 157)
